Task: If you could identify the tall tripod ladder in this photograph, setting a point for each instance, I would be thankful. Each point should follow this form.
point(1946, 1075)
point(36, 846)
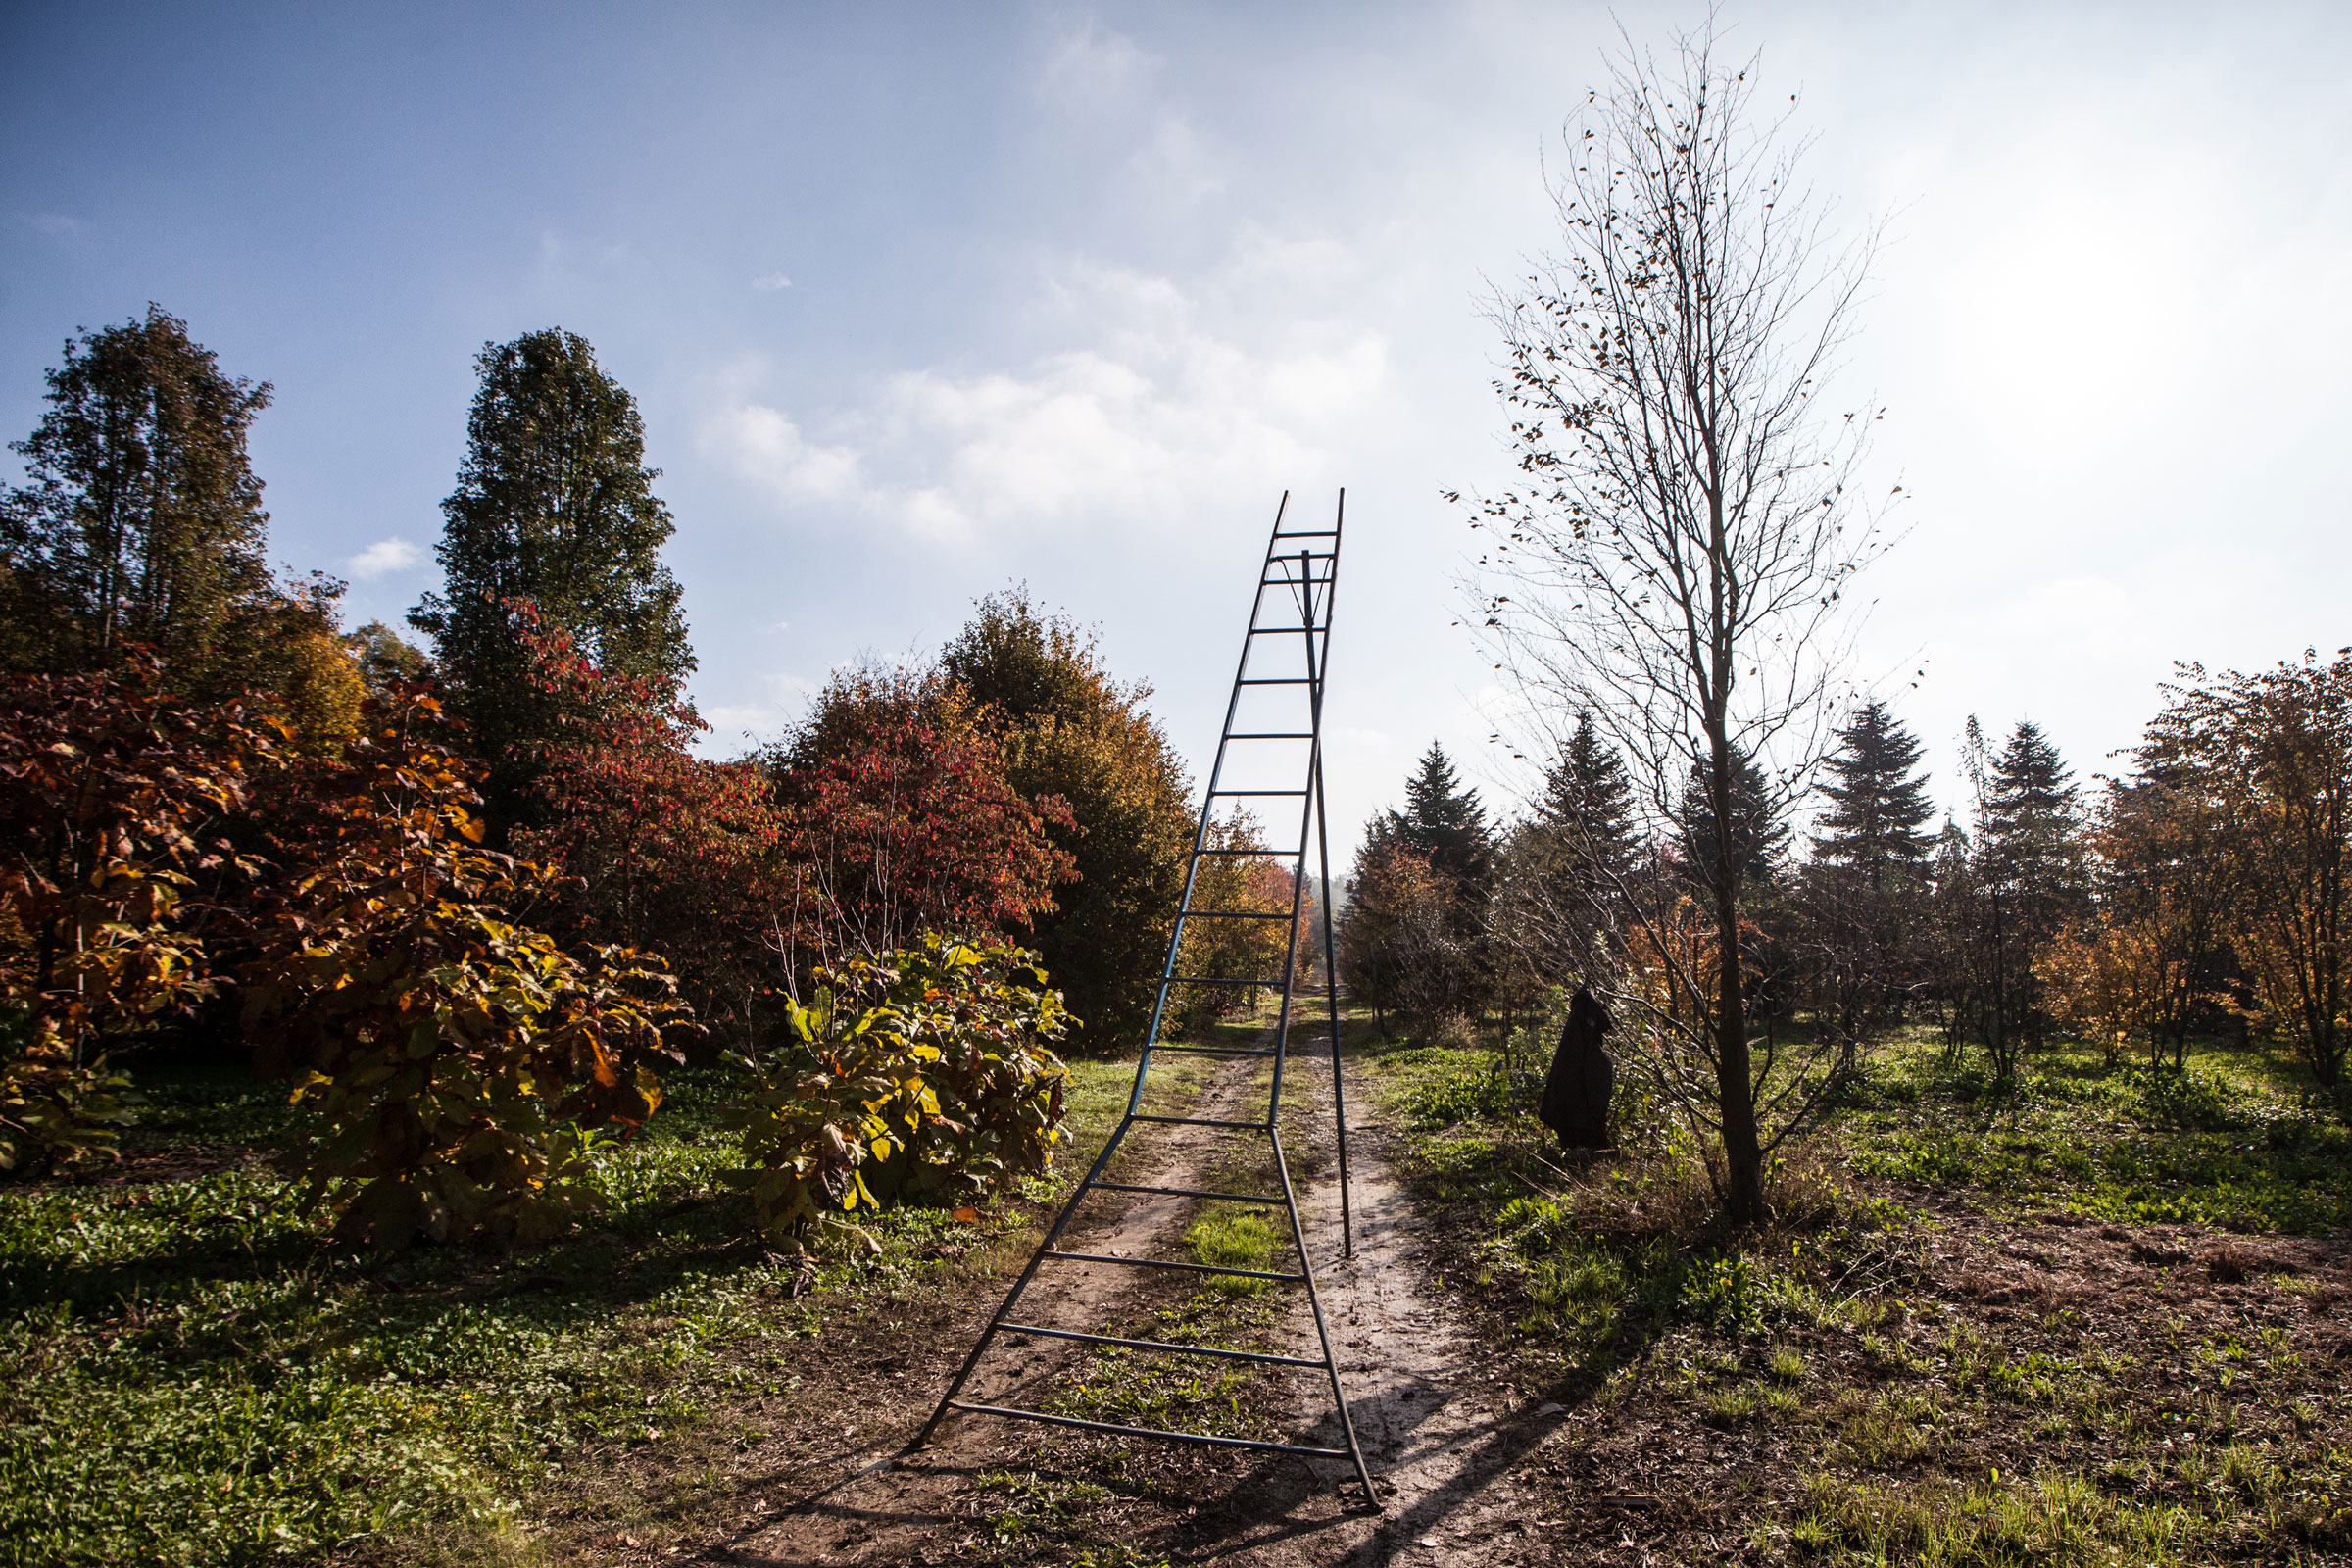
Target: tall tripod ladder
point(1294, 601)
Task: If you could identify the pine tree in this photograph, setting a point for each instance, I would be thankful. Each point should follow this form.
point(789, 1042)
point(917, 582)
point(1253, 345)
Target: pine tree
point(2032, 825)
point(1586, 804)
point(555, 505)
point(1444, 821)
point(1876, 823)
point(143, 519)
point(1758, 836)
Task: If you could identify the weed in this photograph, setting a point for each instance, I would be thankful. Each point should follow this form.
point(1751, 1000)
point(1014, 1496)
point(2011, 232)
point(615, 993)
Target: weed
point(1721, 1292)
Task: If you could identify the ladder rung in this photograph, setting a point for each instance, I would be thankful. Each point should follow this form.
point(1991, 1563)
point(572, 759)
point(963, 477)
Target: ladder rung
point(1296, 582)
point(1288, 631)
point(1168, 1262)
point(1231, 914)
point(1271, 735)
point(1263, 854)
point(1221, 980)
point(1204, 1121)
point(1311, 533)
point(1213, 1051)
point(1213, 794)
point(1155, 1344)
point(1012, 1414)
point(1282, 680)
point(1187, 1192)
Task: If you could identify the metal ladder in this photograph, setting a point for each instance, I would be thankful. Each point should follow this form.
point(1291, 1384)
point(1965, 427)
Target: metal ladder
point(1302, 585)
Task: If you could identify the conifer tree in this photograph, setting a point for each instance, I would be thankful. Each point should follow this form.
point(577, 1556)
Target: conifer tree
point(1757, 838)
point(1879, 812)
point(2032, 826)
point(143, 519)
point(1444, 821)
point(1586, 804)
point(555, 505)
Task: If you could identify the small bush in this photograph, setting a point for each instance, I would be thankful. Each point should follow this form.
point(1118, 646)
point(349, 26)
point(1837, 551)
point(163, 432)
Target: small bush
point(1721, 1292)
point(924, 1073)
point(1472, 1094)
point(451, 1061)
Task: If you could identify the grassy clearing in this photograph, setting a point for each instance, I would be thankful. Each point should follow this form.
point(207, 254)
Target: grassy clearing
point(2041, 1367)
point(2236, 1141)
point(196, 1377)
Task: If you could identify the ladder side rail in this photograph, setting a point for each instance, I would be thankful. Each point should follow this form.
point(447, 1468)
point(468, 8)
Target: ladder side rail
point(1331, 951)
point(1314, 1299)
point(1061, 1222)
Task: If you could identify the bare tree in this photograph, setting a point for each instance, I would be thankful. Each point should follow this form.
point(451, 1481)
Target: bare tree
point(1676, 561)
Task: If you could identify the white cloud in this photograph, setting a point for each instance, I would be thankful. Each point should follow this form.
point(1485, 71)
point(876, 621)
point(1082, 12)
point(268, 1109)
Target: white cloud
point(766, 448)
point(385, 558)
point(772, 282)
point(1154, 416)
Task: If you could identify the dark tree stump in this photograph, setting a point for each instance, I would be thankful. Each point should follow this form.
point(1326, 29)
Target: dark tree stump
point(1576, 1092)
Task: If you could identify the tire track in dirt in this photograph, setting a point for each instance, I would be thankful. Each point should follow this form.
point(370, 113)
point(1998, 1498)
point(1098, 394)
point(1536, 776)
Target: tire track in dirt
point(905, 1513)
point(1443, 1436)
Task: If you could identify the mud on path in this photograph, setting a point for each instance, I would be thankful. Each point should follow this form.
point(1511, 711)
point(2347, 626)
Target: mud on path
point(1441, 1430)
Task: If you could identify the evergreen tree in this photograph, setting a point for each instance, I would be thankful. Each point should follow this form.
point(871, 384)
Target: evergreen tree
point(143, 520)
point(1444, 821)
point(1586, 804)
point(2033, 827)
point(553, 505)
point(1758, 836)
point(1876, 823)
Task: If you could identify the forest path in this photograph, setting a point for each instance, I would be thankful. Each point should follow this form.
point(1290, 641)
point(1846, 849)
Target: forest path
point(1435, 1421)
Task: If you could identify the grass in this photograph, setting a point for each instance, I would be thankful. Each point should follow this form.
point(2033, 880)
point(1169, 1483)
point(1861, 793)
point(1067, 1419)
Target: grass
point(2049, 1369)
point(197, 1378)
point(2238, 1140)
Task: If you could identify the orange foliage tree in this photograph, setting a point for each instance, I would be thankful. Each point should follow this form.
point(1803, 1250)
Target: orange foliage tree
point(112, 798)
point(899, 818)
point(453, 1060)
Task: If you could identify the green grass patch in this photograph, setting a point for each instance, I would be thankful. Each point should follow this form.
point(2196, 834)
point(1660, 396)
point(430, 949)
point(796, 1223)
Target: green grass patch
point(196, 1377)
point(2234, 1141)
point(1239, 1240)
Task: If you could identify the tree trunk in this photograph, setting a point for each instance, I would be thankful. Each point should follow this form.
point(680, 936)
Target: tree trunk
point(1742, 1156)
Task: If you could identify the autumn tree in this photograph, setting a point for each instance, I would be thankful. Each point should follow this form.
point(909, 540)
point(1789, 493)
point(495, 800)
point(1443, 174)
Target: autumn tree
point(1070, 732)
point(900, 818)
point(447, 1060)
point(1239, 876)
point(1676, 561)
point(2273, 750)
point(114, 798)
point(553, 506)
point(665, 851)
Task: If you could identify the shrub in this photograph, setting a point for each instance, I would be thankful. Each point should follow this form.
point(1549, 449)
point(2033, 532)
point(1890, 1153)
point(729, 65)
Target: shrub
point(452, 1060)
point(927, 1071)
point(111, 792)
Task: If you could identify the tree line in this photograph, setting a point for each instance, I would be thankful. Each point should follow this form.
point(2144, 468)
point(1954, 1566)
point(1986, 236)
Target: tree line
point(2201, 892)
point(466, 896)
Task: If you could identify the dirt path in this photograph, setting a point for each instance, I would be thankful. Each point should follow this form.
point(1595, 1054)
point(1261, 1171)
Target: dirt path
point(1442, 1434)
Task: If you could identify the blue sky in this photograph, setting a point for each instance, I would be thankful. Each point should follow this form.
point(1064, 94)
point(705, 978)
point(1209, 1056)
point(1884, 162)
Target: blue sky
point(920, 301)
